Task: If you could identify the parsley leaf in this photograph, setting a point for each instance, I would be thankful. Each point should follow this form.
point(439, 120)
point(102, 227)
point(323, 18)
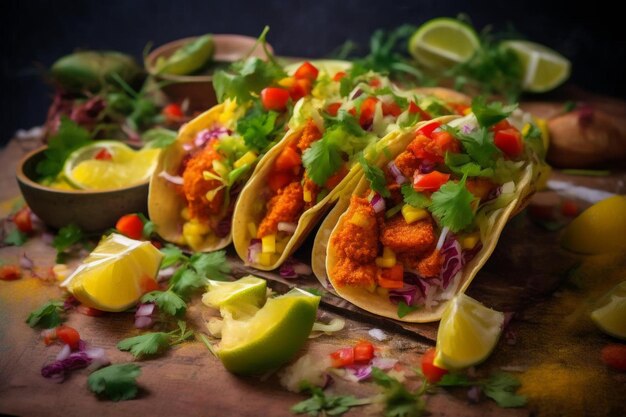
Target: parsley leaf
point(321, 160)
point(488, 114)
point(404, 309)
point(399, 402)
point(212, 265)
point(68, 138)
point(258, 127)
point(322, 404)
point(181, 334)
point(15, 238)
point(186, 281)
point(452, 206)
point(145, 344)
point(245, 78)
point(116, 382)
point(47, 316)
point(479, 145)
point(67, 237)
point(414, 198)
point(159, 137)
point(501, 388)
point(375, 176)
point(462, 164)
point(167, 301)
point(172, 255)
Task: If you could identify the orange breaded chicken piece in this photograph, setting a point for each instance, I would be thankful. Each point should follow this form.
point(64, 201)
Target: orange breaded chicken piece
point(285, 206)
point(313, 189)
point(347, 272)
point(310, 134)
point(430, 265)
point(195, 187)
point(358, 242)
point(407, 163)
point(401, 237)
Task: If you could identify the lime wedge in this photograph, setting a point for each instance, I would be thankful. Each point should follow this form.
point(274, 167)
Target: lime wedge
point(116, 274)
point(247, 290)
point(269, 338)
point(544, 69)
point(468, 332)
point(610, 315)
point(443, 42)
point(188, 58)
point(109, 164)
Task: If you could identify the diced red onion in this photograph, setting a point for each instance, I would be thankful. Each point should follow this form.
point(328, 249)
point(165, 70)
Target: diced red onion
point(254, 249)
point(396, 173)
point(378, 203)
point(287, 271)
point(47, 238)
point(26, 262)
point(473, 394)
point(57, 369)
point(384, 363)
point(143, 322)
point(442, 238)
point(64, 353)
point(174, 179)
point(287, 227)
point(452, 260)
point(204, 136)
point(426, 166)
point(70, 302)
point(98, 358)
point(467, 129)
point(361, 372)
point(166, 273)
point(293, 269)
point(145, 310)
point(378, 334)
point(356, 94)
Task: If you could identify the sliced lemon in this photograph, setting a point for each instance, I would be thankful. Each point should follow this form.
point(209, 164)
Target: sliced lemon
point(271, 337)
point(124, 168)
point(443, 42)
point(116, 274)
point(599, 229)
point(467, 334)
point(544, 69)
point(610, 315)
point(246, 291)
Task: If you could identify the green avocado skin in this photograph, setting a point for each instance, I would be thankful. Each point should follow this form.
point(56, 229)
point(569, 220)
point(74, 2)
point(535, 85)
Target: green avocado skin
point(92, 70)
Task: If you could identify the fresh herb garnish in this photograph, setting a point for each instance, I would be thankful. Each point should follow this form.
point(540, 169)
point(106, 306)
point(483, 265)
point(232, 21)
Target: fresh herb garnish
point(452, 205)
point(462, 164)
point(500, 387)
point(404, 309)
point(155, 342)
point(478, 144)
point(68, 138)
point(534, 140)
point(322, 404)
point(15, 238)
point(488, 114)
point(212, 264)
point(569, 106)
point(47, 316)
point(375, 176)
point(115, 382)
point(321, 160)
point(414, 198)
point(167, 301)
point(67, 237)
point(171, 255)
point(398, 401)
point(258, 127)
point(587, 172)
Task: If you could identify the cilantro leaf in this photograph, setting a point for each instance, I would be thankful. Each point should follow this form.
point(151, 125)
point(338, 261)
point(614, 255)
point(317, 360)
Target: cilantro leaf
point(375, 176)
point(181, 334)
point(321, 160)
point(167, 301)
point(15, 238)
point(452, 206)
point(463, 164)
point(47, 316)
point(404, 309)
point(68, 138)
point(67, 237)
point(258, 127)
point(479, 145)
point(488, 114)
point(244, 78)
point(116, 382)
point(501, 388)
point(535, 141)
point(455, 380)
point(399, 402)
point(145, 344)
point(172, 255)
point(414, 198)
point(186, 281)
point(148, 226)
point(212, 265)
point(159, 137)
point(332, 405)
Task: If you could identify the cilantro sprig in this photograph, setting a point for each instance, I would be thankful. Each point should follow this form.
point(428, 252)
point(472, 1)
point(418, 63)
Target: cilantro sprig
point(488, 114)
point(375, 176)
point(47, 316)
point(258, 127)
point(66, 238)
point(414, 198)
point(452, 205)
point(500, 387)
point(398, 400)
point(155, 342)
point(115, 382)
point(322, 404)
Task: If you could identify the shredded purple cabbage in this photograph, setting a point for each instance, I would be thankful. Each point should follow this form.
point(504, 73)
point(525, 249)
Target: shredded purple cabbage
point(223, 227)
point(204, 136)
point(58, 369)
point(70, 303)
point(408, 294)
point(453, 260)
point(287, 271)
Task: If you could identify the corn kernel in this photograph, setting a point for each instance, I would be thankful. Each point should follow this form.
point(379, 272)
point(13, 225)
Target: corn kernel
point(307, 196)
point(60, 272)
point(412, 214)
point(268, 244)
point(193, 227)
point(470, 241)
point(193, 241)
point(265, 259)
point(184, 213)
point(252, 229)
point(247, 158)
point(387, 260)
point(360, 220)
point(287, 82)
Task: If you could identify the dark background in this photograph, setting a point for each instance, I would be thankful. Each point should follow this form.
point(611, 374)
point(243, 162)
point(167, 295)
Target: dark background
point(35, 33)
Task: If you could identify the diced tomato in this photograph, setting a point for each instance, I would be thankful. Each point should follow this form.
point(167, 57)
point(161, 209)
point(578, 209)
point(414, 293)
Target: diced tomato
point(614, 356)
point(308, 71)
point(300, 88)
point(428, 129)
point(69, 336)
point(274, 98)
point(172, 112)
point(391, 278)
point(414, 109)
point(445, 142)
point(502, 125)
point(342, 357)
point(392, 109)
point(333, 109)
point(352, 111)
point(430, 182)
point(339, 75)
point(363, 351)
point(278, 180)
point(432, 373)
point(368, 107)
point(131, 226)
point(10, 272)
point(288, 159)
point(103, 155)
point(375, 82)
point(388, 283)
point(148, 284)
point(89, 311)
point(569, 208)
point(22, 220)
point(509, 141)
point(336, 178)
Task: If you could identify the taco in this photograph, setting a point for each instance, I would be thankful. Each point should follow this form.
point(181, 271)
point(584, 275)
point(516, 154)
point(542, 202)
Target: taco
point(318, 161)
point(428, 213)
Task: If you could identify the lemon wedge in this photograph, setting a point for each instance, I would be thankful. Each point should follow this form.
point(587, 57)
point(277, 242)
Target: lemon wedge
point(544, 69)
point(443, 42)
point(467, 334)
point(610, 315)
point(108, 165)
point(236, 295)
point(269, 338)
point(599, 229)
point(116, 274)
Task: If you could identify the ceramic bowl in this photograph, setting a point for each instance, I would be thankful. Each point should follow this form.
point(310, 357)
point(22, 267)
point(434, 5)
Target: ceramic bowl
point(198, 89)
point(92, 211)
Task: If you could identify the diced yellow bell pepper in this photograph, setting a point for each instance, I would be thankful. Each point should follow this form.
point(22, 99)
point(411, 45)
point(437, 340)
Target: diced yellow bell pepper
point(307, 196)
point(360, 220)
point(265, 259)
point(193, 227)
point(287, 82)
point(247, 158)
point(60, 272)
point(470, 241)
point(193, 241)
point(252, 229)
point(387, 260)
point(467, 111)
point(184, 213)
point(268, 244)
point(412, 214)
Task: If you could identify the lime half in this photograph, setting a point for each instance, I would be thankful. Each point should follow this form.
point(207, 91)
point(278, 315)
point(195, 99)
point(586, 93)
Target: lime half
point(443, 42)
point(610, 315)
point(468, 332)
point(269, 338)
point(247, 290)
point(544, 69)
point(109, 164)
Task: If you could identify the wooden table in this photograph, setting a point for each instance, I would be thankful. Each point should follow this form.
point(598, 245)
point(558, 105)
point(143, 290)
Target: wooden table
point(522, 276)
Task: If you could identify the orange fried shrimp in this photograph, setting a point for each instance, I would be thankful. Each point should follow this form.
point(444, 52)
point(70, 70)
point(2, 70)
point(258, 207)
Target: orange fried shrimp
point(414, 238)
point(358, 237)
point(310, 134)
point(347, 272)
point(195, 187)
point(285, 206)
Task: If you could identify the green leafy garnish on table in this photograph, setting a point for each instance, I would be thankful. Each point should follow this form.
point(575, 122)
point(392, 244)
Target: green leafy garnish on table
point(68, 138)
point(47, 316)
point(323, 404)
point(115, 382)
point(167, 301)
point(67, 237)
point(452, 205)
point(15, 238)
point(500, 387)
point(398, 400)
point(155, 342)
